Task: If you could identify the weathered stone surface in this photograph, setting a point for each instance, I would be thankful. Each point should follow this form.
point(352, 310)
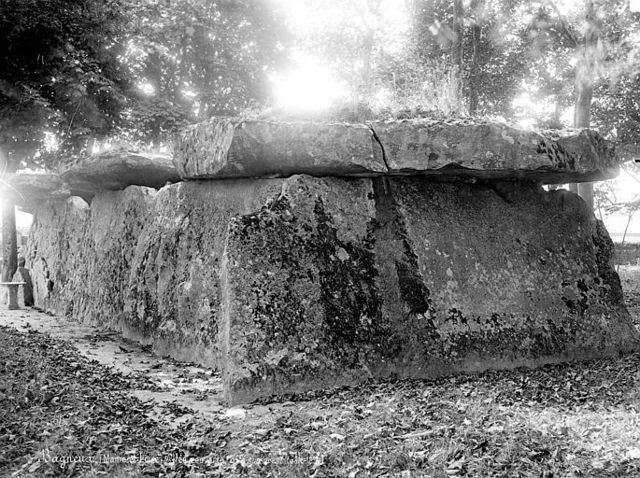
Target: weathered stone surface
point(114, 170)
point(300, 296)
point(230, 148)
point(56, 253)
point(491, 150)
point(234, 148)
point(334, 282)
point(80, 255)
point(300, 283)
point(31, 189)
point(174, 293)
point(117, 220)
point(495, 276)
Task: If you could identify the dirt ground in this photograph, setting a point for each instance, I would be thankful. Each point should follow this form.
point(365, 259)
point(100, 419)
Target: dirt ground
point(79, 401)
point(184, 384)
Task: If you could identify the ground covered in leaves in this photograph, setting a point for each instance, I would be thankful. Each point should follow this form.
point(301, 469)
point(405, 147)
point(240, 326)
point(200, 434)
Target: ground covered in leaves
point(62, 414)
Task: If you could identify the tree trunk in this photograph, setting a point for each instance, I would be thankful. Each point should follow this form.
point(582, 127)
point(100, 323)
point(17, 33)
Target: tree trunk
point(424, 33)
point(365, 89)
point(582, 119)
point(474, 69)
point(584, 86)
point(458, 28)
point(582, 110)
point(585, 191)
point(9, 242)
point(367, 80)
point(153, 72)
point(458, 44)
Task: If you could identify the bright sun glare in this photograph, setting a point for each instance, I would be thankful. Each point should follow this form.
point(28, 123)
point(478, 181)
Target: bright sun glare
point(309, 87)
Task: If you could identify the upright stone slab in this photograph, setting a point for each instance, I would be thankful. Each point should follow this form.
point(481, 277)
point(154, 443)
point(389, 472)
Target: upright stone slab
point(56, 253)
point(300, 303)
point(80, 254)
point(494, 276)
point(116, 223)
point(173, 299)
point(335, 281)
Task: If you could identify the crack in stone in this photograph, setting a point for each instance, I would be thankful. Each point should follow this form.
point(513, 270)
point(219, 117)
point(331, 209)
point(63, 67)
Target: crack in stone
point(384, 153)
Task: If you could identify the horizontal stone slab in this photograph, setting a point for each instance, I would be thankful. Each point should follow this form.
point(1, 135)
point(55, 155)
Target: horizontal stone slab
point(115, 170)
point(108, 171)
point(232, 148)
point(456, 149)
point(30, 189)
point(492, 150)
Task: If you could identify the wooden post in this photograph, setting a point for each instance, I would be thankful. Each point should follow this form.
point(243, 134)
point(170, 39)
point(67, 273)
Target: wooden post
point(12, 290)
point(9, 242)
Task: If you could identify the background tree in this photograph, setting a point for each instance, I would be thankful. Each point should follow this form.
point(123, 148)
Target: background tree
point(607, 202)
point(194, 59)
point(60, 72)
point(483, 40)
point(596, 38)
point(585, 56)
point(74, 71)
point(352, 38)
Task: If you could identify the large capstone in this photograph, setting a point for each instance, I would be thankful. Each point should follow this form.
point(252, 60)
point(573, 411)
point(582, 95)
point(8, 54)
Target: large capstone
point(90, 175)
point(234, 148)
point(455, 149)
point(493, 150)
point(29, 190)
point(117, 169)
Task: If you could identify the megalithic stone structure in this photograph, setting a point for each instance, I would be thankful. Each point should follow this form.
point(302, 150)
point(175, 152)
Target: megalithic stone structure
point(225, 148)
point(295, 256)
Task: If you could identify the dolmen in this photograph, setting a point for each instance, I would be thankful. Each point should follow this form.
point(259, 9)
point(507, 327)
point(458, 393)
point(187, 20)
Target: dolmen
point(294, 256)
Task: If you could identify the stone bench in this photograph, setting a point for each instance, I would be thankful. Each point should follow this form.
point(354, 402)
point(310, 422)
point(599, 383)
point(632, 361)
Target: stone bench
point(12, 288)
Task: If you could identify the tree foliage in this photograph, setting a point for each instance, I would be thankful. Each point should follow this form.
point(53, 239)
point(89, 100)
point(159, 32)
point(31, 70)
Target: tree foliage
point(60, 72)
point(137, 69)
point(200, 58)
point(494, 42)
point(85, 69)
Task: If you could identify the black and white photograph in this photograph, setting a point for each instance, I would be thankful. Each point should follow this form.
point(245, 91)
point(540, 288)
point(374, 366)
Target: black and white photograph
point(320, 238)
